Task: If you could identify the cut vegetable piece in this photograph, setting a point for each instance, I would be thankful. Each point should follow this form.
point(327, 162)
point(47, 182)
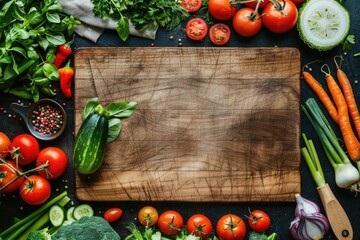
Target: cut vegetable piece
point(70, 214)
point(323, 24)
point(83, 210)
point(57, 215)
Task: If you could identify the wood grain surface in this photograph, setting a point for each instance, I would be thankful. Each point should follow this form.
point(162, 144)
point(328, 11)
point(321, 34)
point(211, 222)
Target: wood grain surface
point(212, 124)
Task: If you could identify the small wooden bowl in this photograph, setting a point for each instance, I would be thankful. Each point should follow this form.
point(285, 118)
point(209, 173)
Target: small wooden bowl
point(26, 112)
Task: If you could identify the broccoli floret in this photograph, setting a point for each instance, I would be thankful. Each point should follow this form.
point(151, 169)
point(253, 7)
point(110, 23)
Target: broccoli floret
point(87, 228)
point(42, 234)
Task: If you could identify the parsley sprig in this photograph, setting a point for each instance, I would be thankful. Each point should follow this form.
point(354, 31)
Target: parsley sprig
point(143, 14)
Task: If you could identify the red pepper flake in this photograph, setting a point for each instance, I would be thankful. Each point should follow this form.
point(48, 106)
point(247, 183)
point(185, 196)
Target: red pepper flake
point(152, 45)
point(47, 119)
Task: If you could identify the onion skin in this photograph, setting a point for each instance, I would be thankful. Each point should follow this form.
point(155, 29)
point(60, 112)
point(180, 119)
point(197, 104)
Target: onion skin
point(309, 207)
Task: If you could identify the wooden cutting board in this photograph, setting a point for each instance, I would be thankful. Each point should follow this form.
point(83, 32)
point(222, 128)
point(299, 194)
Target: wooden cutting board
point(212, 124)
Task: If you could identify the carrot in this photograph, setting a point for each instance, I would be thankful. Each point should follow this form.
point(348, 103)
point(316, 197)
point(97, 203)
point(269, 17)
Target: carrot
point(349, 97)
point(351, 142)
point(322, 95)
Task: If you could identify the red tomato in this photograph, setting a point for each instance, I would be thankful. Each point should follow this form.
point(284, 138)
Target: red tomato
point(222, 9)
point(245, 23)
point(220, 34)
point(4, 145)
point(231, 227)
point(170, 222)
point(7, 174)
point(259, 221)
point(35, 190)
point(196, 29)
point(297, 1)
point(191, 5)
point(113, 214)
point(199, 225)
point(254, 3)
point(280, 18)
point(25, 148)
point(148, 216)
point(57, 160)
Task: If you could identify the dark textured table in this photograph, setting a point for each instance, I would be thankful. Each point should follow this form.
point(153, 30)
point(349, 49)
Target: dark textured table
point(281, 213)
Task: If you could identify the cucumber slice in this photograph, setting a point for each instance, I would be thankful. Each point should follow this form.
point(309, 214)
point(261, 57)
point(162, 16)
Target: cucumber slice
point(83, 210)
point(323, 24)
point(69, 214)
point(57, 215)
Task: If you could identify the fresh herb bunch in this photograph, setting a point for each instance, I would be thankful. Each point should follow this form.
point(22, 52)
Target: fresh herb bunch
point(142, 14)
point(30, 31)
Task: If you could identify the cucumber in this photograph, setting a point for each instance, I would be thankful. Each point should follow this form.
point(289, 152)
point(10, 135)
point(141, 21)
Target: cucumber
point(70, 214)
point(56, 215)
point(323, 24)
point(90, 144)
point(83, 210)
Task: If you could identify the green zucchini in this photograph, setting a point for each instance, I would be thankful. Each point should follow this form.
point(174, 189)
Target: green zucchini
point(323, 24)
point(90, 143)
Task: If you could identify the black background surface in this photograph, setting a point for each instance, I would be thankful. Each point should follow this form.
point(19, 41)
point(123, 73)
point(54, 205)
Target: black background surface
point(281, 213)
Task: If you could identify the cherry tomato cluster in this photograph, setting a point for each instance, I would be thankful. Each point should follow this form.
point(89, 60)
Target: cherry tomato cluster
point(33, 185)
point(228, 227)
point(278, 16)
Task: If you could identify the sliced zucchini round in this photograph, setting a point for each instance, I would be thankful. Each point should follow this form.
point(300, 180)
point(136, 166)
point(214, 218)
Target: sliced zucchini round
point(57, 215)
point(83, 210)
point(323, 24)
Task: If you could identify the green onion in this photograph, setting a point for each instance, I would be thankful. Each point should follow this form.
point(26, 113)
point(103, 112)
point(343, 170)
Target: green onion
point(346, 175)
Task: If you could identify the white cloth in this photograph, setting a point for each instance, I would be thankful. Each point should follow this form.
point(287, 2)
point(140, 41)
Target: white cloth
point(92, 26)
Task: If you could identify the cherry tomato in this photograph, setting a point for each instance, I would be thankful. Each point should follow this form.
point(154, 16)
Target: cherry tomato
point(259, 221)
point(220, 34)
point(35, 190)
point(280, 16)
point(199, 225)
point(297, 1)
point(191, 5)
point(25, 148)
point(7, 174)
point(253, 4)
point(245, 23)
point(4, 145)
point(57, 160)
point(148, 216)
point(170, 222)
point(222, 9)
point(231, 227)
point(196, 29)
point(112, 214)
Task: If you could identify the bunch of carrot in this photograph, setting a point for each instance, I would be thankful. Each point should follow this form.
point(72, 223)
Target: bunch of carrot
point(341, 105)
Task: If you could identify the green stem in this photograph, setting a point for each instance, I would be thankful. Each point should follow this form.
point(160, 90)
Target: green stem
point(33, 215)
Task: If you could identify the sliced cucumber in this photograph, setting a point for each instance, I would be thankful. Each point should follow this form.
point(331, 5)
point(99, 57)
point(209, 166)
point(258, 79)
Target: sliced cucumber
point(323, 24)
point(83, 210)
point(57, 215)
point(70, 214)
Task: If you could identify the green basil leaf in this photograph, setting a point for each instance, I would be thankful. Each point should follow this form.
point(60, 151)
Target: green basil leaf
point(19, 50)
point(47, 91)
point(55, 38)
point(43, 43)
point(36, 94)
point(32, 53)
point(7, 9)
point(41, 81)
point(89, 108)
point(115, 126)
point(23, 34)
point(55, 7)
point(51, 72)
point(53, 17)
point(121, 109)
point(5, 60)
point(123, 28)
point(22, 92)
point(34, 17)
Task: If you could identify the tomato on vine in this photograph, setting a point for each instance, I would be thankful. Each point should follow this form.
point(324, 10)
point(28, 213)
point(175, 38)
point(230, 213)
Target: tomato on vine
point(148, 216)
point(231, 227)
point(4, 145)
point(199, 225)
point(222, 9)
point(280, 16)
point(247, 22)
point(170, 222)
point(7, 175)
point(35, 190)
point(24, 149)
point(259, 221)
point(252, 4)
point(55, 158)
